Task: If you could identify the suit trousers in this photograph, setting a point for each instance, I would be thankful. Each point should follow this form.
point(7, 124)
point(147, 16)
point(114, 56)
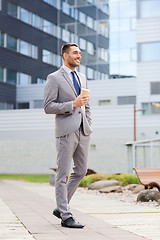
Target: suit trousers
point(74, 145)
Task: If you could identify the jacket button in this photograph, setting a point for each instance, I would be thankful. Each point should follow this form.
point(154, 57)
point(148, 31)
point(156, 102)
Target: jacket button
point(79, 112)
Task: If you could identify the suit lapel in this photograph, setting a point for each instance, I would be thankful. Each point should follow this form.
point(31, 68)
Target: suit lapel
point(65, 75)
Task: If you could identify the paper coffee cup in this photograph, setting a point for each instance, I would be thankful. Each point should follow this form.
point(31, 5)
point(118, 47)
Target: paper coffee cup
point(84, 91)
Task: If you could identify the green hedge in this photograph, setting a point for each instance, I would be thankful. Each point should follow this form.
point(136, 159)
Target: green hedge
point(124, 179)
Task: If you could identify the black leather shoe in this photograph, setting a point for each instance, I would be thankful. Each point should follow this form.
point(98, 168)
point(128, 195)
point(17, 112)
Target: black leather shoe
point(71, 223)
point(56, 213)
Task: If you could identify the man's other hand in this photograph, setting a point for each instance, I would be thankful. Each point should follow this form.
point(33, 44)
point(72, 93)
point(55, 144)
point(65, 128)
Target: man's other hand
point(80, 101)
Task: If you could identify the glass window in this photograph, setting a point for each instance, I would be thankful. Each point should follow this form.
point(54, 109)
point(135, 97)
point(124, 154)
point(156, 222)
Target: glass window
point(58, 31)
point(134, 54)
point(127, 39)
point(24, 79)
point(82, 43)
point(39, 22)
point(133, 23)
point(147, 108)
point(124, 24)
point(103, 54)
point(90, 73)
point(155, 87)
point(54, 59)
point(104, 102)
point(24, 48)
point(126, 100)
point(47, 26)
point(54, 3)
point(102, 28)
point(48, 1)
point(11, 43)
point(1, 39)
point(66, 8)
point(6, 106)
point(82, 17)
point(24, 15)
point(82, 69)
point(54, 30)
point(155, 108)
point(38, 103)
point(65, 35)
point(73, 12)
point(59, 61)
point(12, 9)
point(90, 22)
point(24, 105)
point(114, 25)
point(34, 16)
point(114, 9)
point(11, 76)
point(114, 40)
point(127, 8)
point(33, 51)
point(76, 13)
point(125, 55)
point(1, 74)
point(90, 48)
point(149, 8)
point(46, 56)
point(128, 68)
point(150, 51)
point(39, 80)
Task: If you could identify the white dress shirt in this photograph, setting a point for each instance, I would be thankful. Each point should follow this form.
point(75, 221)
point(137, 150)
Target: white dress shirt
point(68, 70)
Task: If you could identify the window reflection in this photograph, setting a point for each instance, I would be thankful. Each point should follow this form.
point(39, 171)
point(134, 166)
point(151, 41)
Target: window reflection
point(11, 43)
point(34, 20)
point(150, 8)
point(1, 39)
point(24, 48)
point(11, 76)
point(24, 79)
point(150, 51)
point(151, 108)
point(82, 17)
point(24, 15)
point(1, 74)
point(47, 26)
point(66, 8)
point(46, 56)
point(12, 9)
point(122, 43)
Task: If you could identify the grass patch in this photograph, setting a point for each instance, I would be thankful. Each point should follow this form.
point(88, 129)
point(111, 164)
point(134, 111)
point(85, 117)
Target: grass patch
point(124, 179)
point(39, 178)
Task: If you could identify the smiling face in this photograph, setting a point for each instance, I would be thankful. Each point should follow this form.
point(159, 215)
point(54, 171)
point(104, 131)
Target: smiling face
point(72, 57)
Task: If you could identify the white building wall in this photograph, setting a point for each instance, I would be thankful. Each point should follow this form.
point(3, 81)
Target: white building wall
point(27, 142)
point(99, 90)
point(147, 72)
point(148, 29)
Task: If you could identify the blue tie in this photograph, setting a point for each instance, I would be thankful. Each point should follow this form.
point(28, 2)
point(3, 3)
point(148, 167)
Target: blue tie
point(76, 85)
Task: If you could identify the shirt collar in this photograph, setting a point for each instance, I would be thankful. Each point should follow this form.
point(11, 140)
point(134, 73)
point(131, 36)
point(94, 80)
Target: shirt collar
point(68, 70)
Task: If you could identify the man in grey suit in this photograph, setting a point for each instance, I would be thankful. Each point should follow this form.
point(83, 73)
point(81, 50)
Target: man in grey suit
point(72, 128)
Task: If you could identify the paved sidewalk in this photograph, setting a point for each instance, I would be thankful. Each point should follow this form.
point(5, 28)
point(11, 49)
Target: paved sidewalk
point(26, 214)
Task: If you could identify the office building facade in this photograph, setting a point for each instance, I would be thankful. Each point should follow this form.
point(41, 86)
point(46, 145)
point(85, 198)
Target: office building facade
point(31, 36)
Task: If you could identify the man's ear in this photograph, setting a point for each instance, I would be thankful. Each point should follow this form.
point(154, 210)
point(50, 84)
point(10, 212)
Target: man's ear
point(65, 56)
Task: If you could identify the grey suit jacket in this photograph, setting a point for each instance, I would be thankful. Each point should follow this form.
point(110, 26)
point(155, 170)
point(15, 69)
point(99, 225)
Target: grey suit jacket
point(59, 94)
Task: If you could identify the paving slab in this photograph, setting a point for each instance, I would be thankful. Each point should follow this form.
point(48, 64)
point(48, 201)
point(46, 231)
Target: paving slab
point(32, 206)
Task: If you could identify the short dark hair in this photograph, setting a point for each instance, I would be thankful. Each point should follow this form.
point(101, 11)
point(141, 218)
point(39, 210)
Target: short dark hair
point(66, 47)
